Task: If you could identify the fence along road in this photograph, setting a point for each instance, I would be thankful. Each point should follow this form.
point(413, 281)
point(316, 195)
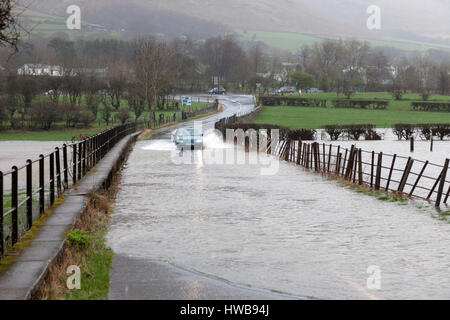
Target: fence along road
point(24, 203)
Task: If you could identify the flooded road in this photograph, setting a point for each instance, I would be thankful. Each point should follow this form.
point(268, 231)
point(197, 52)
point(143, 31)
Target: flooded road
point(293, 232)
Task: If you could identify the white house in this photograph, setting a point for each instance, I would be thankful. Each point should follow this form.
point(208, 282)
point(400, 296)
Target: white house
point(58, 71)
point(40, 70)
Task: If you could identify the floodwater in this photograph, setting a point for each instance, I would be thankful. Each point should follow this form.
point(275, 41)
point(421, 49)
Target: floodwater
point(293, 232)
point(16, 153)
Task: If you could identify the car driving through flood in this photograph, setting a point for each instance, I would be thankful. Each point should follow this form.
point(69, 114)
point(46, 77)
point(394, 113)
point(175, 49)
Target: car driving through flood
point(187, 139)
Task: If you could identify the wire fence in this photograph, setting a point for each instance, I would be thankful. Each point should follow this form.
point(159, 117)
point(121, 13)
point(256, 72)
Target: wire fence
point(405, 176)
point(36, 185)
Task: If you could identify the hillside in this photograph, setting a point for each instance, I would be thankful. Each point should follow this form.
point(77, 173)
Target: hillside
point(408, 24)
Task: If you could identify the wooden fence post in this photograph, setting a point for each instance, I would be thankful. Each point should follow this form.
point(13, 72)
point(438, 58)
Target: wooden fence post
point(390, 172)
point(360, 175)
point(406, 174)
point(350, 162)
point(355, 165)
point(299, 152)
point(372, 168)
point(329, 157)
point(343, 163)
point(323, 156)
point(378, 176)
point(418, 178)
point(307, 155)
point(448, 194)
point(337, 154)
point(434, 186)
point(442, 182)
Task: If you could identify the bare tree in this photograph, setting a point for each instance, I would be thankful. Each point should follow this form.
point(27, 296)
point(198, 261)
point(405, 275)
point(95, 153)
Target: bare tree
point(8, 24)
point(116, 85)
point(73, 86)
point(44, 113)
point(135, 100)
point(12, 100)
point(53, 86)
point(444, 80)
point(92, 89)
point(28, 88)
point(123, 115)
point(107, 110)
point(3, 116)
point(426, 79)
point(152, 71)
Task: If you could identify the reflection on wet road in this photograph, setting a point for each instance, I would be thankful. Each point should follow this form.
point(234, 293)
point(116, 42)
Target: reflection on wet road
point(293, 232)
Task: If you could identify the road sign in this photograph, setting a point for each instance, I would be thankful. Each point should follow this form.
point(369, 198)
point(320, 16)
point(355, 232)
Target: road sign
point(215, 80)
point(258, 85)
point(186, 101)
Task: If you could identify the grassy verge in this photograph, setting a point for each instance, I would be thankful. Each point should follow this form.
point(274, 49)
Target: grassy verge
point(86, 248)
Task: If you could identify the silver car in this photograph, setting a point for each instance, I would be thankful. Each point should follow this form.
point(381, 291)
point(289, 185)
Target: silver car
point(187, 139)
point(286, 90)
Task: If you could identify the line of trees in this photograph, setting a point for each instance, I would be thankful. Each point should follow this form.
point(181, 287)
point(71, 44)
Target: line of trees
point(110, 78)
point(346, 66)
point(103, 79)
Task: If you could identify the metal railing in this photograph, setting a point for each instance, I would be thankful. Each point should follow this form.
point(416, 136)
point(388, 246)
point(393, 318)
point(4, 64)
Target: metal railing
point(28, 202)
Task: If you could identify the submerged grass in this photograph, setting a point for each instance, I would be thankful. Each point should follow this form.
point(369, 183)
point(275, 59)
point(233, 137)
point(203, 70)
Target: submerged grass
point(397, 198)
point(378, 194)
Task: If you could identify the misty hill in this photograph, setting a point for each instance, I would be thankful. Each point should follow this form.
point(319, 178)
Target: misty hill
point(413, 20)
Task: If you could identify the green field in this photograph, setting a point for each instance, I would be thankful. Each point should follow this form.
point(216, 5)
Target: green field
point(404, 104)
point(313, 118)
point(293, 41)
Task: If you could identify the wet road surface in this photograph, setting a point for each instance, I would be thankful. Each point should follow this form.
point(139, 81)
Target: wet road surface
point(293, 232)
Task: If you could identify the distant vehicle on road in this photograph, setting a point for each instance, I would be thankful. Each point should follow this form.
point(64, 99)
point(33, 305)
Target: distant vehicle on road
point(217, 91)
point(53, 92)
point(187, 138)
point(286, 90)
point(314, 90)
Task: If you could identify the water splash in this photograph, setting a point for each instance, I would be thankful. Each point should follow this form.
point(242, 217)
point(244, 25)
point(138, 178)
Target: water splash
point(159, 145)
